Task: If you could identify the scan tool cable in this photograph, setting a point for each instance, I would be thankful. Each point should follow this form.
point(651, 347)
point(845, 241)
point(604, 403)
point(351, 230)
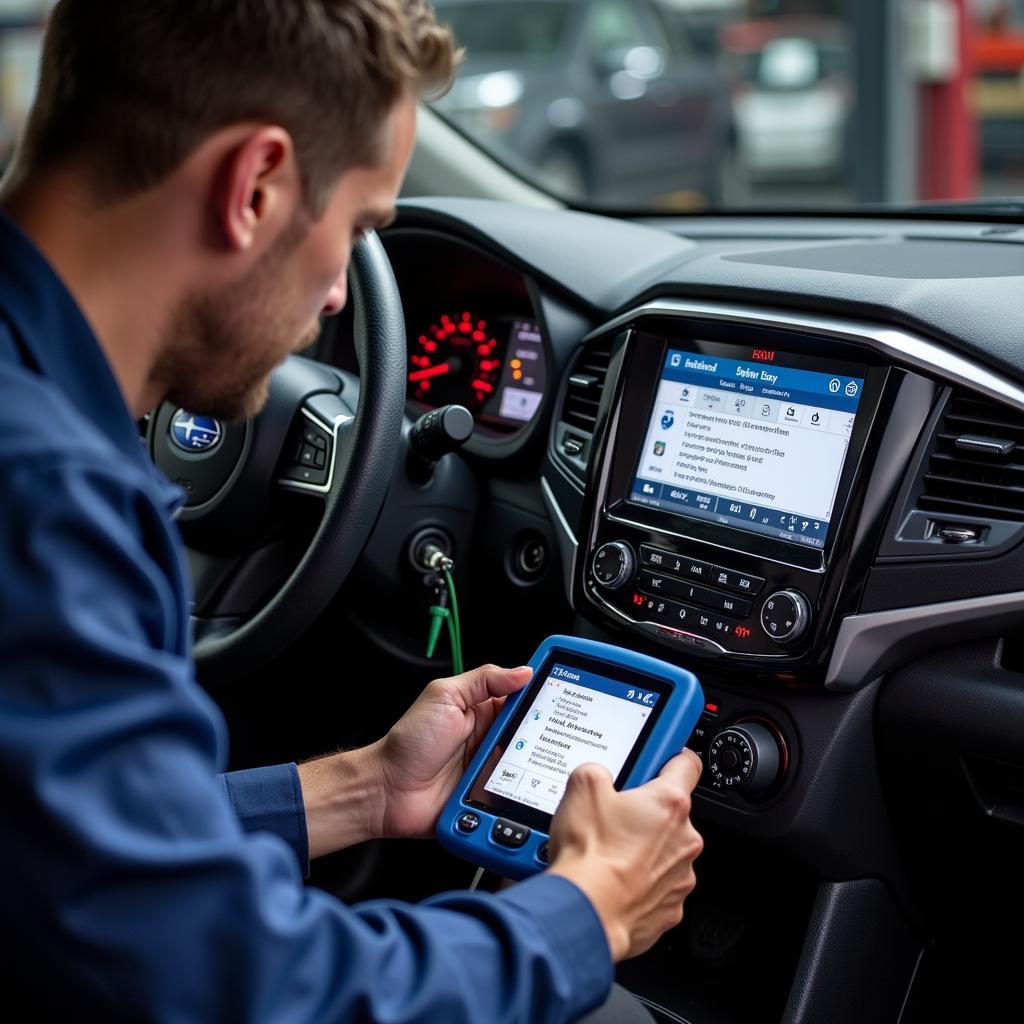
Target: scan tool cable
point(446, 605)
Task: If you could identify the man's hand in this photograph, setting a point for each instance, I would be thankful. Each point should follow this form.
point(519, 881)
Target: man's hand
point(427, 751)
point(398, 785)
point(632, 852)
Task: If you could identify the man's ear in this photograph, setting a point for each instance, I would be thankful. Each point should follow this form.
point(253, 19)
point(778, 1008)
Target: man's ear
point(259, 189)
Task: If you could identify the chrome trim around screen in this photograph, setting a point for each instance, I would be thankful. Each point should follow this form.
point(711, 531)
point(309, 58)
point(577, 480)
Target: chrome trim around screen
point(900, 346)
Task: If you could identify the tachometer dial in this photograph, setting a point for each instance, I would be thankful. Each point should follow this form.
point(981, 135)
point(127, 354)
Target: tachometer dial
point(455, 361)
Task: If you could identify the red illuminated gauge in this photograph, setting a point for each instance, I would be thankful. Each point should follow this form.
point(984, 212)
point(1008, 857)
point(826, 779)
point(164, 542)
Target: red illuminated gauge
point(455, 362)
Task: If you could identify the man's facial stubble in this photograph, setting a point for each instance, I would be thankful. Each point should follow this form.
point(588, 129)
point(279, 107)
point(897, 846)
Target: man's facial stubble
point(221, 346)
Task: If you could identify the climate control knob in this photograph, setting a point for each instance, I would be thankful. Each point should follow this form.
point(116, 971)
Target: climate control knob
point(744, 756)
point(785, 616)
point(614, 564)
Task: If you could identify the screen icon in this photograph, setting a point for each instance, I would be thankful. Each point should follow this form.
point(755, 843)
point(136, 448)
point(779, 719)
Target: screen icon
point(520, 744)
point(816, 418)
point(766, 409)
point(676, 359)
point(834, 385)
point(659, 448)
point(851, 388)
point(667, 419)
point(741, 404)
point(648, 488)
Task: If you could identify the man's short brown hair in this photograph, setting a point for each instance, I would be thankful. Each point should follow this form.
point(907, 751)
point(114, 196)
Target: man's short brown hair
point(134, 86)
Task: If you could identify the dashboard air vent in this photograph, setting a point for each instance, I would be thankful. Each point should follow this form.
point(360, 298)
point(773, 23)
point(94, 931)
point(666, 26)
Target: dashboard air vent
point(977, 465)
point(586, 383)
point(574, 432)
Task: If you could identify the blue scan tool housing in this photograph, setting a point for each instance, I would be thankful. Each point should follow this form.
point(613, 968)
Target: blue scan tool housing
point(681, 703)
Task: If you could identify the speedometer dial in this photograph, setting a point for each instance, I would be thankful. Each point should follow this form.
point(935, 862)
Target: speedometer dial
point(455, 361)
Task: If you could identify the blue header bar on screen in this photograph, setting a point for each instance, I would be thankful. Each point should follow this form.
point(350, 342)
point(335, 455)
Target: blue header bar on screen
point(570, 676)
point(808, 387)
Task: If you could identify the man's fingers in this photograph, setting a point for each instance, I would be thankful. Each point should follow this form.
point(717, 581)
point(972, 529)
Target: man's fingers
point(480, 684)
point(684, 770)
point(592, 775)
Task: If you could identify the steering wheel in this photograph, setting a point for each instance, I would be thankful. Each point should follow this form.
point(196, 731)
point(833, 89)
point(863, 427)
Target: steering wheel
point(323, 438)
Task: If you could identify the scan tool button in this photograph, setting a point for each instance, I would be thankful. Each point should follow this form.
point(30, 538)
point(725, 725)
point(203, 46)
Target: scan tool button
point(544, 853)
point(468, 822)
point(508, 833)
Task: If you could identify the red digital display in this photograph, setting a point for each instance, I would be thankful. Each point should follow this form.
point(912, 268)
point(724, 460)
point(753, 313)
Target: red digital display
point(763, 355)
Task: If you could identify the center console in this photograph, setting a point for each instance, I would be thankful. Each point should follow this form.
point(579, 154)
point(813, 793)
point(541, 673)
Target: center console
point(730, 466)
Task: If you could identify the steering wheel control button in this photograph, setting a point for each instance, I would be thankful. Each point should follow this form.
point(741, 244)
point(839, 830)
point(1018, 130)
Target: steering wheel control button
point(740, 582)
point(786, 616)
point(744, 756)
point(309, 451)
point(313, 437)
point(468, 822)
point(509, 833)
point(613, 565)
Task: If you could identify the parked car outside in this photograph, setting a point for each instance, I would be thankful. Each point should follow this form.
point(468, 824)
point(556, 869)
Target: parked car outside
point(606, 99)
point(792, 103)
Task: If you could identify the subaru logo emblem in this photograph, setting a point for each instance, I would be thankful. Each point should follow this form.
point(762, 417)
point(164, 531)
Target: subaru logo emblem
point(196, 434)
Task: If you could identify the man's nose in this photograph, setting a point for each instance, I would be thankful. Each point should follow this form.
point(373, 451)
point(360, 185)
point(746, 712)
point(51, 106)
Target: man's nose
point(337, 296)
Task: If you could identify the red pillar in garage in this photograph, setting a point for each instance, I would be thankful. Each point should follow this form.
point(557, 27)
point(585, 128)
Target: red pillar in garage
point(948, 166)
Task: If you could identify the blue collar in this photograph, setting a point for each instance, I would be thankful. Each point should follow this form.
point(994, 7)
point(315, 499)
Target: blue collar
point(58, 342)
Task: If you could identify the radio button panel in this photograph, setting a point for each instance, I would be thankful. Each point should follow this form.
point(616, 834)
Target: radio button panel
point(720, 612)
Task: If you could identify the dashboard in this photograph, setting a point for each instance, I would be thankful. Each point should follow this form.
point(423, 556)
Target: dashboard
point(788, 456)
point(473, 333)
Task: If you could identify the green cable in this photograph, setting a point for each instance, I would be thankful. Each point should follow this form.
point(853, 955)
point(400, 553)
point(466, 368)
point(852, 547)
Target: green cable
point(455, 626)
point(438, 616)
point(456, 654)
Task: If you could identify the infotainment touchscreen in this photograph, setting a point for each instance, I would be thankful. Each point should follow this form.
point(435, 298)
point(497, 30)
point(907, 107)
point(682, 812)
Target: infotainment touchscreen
point(756, 443)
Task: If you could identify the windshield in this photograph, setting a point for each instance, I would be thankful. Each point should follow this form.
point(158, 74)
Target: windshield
point(689, 105)
point(737, 104)
point(500, 28)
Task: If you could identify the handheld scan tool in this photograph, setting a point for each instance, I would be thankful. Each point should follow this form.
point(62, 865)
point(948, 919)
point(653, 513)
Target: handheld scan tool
point(587, 701)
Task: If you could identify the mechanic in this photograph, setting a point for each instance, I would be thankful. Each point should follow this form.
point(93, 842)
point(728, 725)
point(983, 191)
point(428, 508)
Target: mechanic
point(180, 213)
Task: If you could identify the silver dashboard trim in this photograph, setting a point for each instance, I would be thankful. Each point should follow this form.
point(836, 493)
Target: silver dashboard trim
point(871, 644)
point(569, 479)
point(897, 344)
point(568, 544)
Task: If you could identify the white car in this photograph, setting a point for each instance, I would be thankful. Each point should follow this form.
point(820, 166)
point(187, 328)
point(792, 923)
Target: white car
point(791, 118)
